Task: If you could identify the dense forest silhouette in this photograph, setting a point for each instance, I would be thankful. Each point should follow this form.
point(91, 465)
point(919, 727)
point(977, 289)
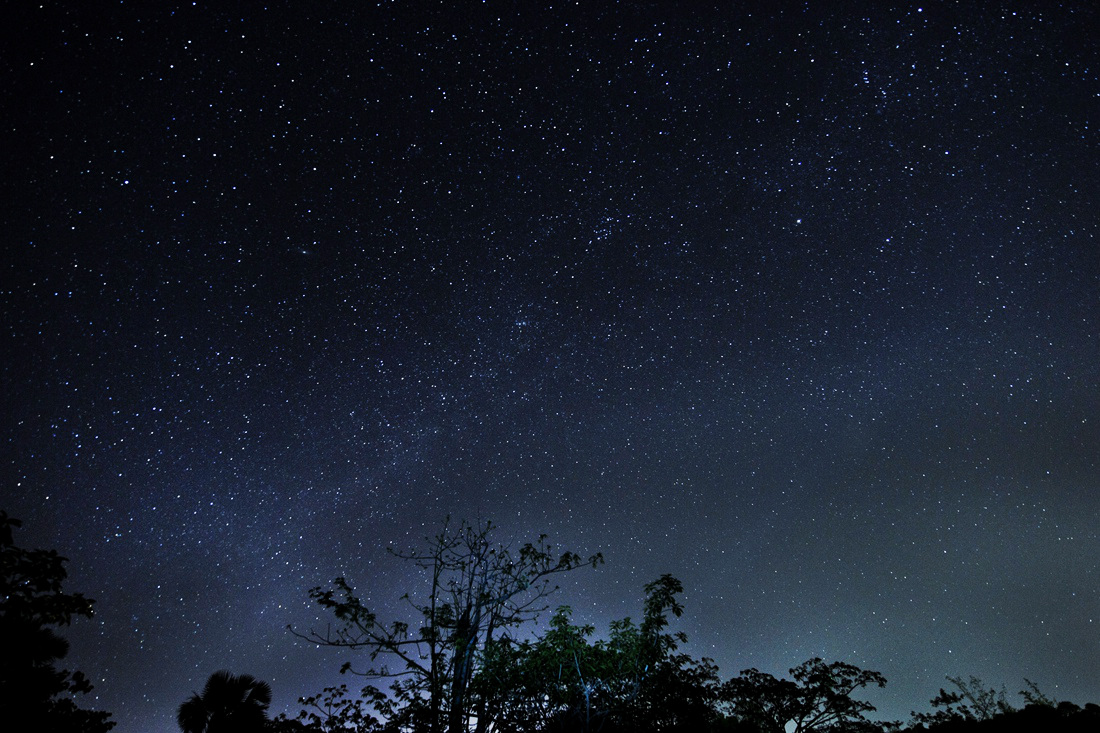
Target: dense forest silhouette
point(470, 663)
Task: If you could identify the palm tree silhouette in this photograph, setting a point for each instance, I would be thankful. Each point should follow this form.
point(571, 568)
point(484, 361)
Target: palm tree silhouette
point(228, 704)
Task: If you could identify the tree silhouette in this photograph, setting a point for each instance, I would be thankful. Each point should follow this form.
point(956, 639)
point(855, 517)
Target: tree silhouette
point(632, 681)
point(334, 710)
point(818, 698)
point(671, 691)
point(975, 707)
point(31, 601)
point(479, 592)
point(461, 666)
point(228, 704)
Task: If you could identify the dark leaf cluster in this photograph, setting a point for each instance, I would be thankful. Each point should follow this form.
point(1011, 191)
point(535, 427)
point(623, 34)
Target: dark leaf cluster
point(32, 604)
point(228, 703)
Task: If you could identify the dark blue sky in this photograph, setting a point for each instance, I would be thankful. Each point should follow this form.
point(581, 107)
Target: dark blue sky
point(797, 302)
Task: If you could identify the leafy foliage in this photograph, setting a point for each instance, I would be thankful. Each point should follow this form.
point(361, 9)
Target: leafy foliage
point(632, 681)
point(975, 707)
point(479, 592)
point(228, 704)
point(32, 601)
point(971, 701)
point(462, 666)
point(817, 698)
point(335, 711)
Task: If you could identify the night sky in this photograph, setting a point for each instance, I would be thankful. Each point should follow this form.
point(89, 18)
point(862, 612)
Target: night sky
point(798, 302)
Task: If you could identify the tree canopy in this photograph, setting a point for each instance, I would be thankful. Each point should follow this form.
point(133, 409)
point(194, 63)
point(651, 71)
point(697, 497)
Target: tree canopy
point(818, 697)
point(479, 592)
point(32, 606)
point(228, 703)
point(468, 663)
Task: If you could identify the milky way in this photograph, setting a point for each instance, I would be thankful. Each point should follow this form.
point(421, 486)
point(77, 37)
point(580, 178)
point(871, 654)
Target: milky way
point(799, 305)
